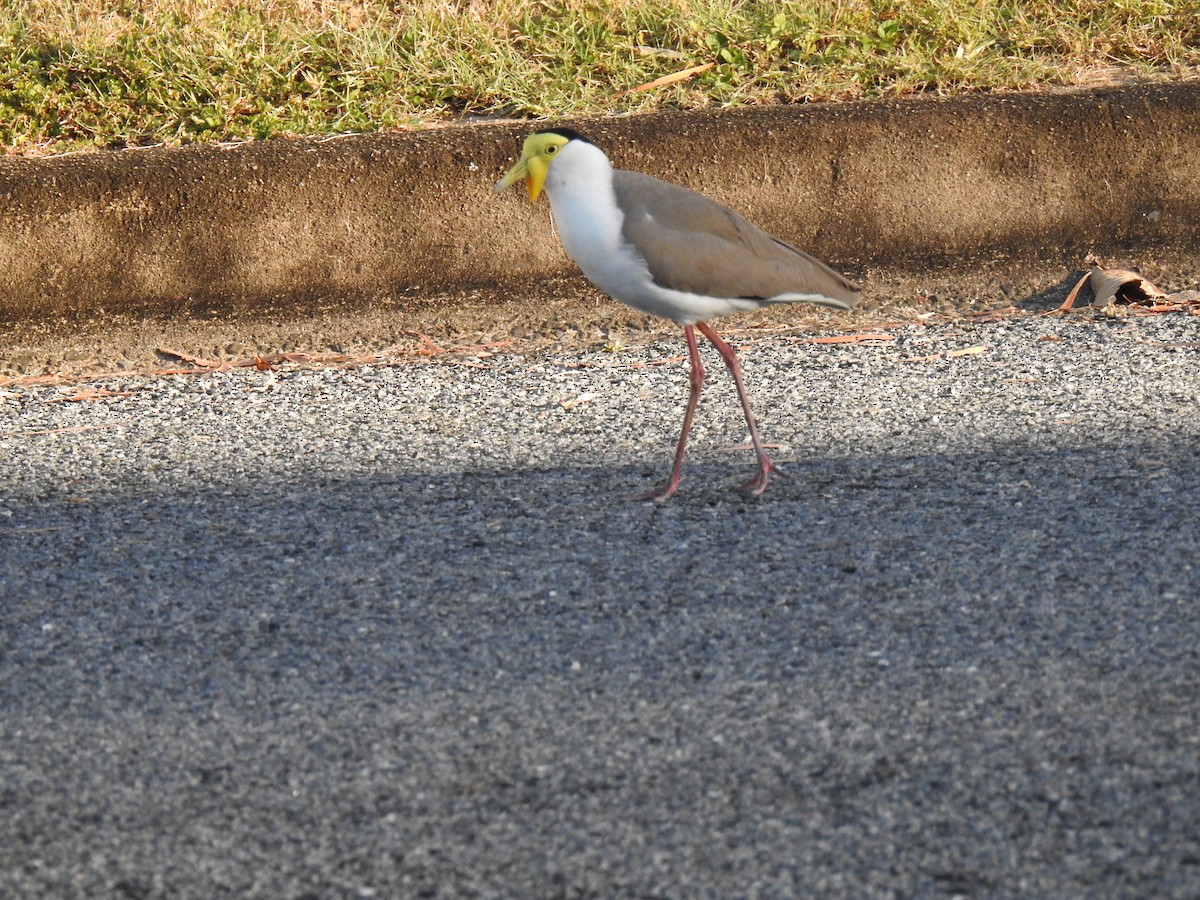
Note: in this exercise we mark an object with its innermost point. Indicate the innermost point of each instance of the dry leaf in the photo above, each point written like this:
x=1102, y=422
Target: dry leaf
x=1070, y=301
x=170, y=353
x=85, y=394
x=669, y=79
x=1109, y=285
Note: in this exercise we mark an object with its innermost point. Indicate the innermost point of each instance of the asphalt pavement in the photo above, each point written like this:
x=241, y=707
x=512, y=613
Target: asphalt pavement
x=391, y=631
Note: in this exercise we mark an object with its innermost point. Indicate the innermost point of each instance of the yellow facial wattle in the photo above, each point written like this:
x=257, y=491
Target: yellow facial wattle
x=537, y=153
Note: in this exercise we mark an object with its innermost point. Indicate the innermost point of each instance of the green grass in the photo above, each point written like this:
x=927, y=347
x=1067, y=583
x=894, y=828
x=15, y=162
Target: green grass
x=94, y=73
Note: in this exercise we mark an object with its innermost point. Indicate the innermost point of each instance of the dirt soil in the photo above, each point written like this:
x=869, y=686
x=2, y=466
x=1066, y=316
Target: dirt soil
x=394, y=246
x=555, y=315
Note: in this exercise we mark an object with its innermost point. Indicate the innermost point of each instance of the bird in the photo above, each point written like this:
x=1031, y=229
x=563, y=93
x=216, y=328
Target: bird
x=666, y=250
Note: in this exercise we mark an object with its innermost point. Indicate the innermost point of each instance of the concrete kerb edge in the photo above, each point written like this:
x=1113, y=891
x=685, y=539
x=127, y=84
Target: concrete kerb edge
x=298, y=223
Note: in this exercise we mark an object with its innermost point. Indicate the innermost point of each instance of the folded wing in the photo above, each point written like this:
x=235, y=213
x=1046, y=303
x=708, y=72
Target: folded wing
x=693, y=244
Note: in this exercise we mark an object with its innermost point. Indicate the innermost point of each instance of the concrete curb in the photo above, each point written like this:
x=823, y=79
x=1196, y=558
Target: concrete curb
x=357, y=218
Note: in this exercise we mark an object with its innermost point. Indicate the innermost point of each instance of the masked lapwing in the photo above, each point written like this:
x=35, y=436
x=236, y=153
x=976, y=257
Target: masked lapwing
x=668, y=251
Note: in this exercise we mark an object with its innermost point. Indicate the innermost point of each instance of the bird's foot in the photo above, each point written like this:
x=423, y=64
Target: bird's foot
x=662, y=495
x=756, y=485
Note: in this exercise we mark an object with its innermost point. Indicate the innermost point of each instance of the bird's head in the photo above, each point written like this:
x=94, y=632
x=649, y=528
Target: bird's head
x=537, y=154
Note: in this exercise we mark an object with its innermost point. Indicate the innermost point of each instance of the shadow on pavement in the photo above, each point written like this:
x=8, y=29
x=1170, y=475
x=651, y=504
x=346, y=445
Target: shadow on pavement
x=922, y=675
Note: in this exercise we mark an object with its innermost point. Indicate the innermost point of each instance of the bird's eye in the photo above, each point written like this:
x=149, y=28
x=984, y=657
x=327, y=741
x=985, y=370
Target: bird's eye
x=551, y=150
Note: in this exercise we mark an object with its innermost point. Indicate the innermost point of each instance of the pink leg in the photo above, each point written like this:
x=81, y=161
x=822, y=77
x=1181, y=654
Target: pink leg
x=697, y=382
x=758, y=483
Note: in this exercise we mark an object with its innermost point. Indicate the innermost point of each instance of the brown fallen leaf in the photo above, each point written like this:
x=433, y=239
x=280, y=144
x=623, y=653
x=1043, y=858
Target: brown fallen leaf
x=1008, y=310
x=48, y=378
x=668, y=79
x=1070, y=301
x=430, y=347
x=1109, y=285
x=1112, y=285
x=188, y=358
x=85, y=394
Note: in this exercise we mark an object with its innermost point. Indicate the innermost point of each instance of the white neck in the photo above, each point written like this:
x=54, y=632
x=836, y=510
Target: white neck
x=579, y=165
x=579, y=184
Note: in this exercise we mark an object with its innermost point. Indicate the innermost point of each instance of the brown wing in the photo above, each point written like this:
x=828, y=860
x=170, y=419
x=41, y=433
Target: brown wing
x=694, y=244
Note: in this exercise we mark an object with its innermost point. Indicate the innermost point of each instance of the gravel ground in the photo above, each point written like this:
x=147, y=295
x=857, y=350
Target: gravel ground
x=390, y=631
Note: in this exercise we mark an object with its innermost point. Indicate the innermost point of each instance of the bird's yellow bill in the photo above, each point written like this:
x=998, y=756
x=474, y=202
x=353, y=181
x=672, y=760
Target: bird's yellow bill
x=531, y=170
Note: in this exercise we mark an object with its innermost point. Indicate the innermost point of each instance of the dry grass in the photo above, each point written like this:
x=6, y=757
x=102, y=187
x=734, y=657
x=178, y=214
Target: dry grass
x=81, y=73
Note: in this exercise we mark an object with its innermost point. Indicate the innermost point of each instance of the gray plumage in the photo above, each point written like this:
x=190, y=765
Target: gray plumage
x=694, y=244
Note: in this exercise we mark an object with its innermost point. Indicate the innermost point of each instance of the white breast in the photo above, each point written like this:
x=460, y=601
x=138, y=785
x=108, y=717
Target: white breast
x=579, y=185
